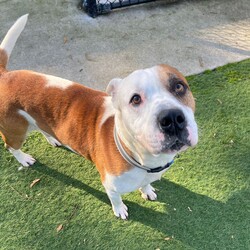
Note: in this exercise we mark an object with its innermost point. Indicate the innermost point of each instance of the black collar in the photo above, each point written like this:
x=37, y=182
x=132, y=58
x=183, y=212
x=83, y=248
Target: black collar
x=135, y=163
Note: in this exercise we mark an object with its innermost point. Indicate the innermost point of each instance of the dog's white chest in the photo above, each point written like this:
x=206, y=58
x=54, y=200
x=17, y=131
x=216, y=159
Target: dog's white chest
x=130, y=181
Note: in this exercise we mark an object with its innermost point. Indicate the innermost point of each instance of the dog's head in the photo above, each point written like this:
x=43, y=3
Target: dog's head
x=155, y=110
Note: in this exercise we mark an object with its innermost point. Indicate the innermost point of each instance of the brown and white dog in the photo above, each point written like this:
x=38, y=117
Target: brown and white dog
x=151, y=112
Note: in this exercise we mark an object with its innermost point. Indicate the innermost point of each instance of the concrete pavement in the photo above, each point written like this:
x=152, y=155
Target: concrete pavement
x=191, y=35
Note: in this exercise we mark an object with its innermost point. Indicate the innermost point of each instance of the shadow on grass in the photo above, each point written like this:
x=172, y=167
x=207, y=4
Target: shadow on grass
x=189, y=217
x=67, y=180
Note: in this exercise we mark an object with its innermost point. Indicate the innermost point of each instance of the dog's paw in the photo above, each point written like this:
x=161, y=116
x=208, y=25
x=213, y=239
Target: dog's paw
x=25, y=159
x=148, y=193
x=121, y=211
x=54, y=142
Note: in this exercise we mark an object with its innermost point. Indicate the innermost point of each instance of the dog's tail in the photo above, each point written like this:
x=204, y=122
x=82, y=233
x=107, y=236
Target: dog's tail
x=10, y=39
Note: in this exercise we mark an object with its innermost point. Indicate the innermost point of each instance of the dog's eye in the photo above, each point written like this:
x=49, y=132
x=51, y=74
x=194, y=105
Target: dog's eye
x=180, y=88
x=136, y=100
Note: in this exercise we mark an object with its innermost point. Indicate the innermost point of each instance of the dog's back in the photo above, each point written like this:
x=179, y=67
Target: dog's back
x=52, y=105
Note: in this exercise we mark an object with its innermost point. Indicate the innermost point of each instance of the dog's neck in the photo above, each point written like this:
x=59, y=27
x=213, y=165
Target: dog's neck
x=135, y=163
x=137, y=151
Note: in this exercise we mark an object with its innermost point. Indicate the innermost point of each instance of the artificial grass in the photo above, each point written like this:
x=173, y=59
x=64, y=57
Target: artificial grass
x=203, y=200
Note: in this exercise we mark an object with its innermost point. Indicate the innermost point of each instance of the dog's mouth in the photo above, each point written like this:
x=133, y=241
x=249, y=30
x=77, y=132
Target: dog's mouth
x=176, y=146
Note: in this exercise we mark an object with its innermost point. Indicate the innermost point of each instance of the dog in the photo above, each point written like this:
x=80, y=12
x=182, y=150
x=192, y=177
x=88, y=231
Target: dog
x=131, y=133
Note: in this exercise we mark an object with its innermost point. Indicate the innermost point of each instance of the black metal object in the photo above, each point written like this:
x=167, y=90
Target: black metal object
x=97, y=7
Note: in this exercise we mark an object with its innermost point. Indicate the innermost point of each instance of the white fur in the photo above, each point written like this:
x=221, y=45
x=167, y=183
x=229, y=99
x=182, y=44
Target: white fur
x=14, y=32
x=191, y=125
x=51, y=140
x=108, y=110
x=54, y=81
x=132, y=180
x=148, y=193
x=119, y=208
x=138, y=128
x=25, y=159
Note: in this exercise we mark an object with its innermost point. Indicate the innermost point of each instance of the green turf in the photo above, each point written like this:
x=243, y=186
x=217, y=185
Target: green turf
x=203, y=201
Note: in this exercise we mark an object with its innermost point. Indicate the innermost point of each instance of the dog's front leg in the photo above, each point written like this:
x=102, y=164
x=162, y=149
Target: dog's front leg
x=148, y=192
x=119, y=208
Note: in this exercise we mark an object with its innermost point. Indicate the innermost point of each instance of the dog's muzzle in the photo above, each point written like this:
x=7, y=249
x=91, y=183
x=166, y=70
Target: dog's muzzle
x=173, y=124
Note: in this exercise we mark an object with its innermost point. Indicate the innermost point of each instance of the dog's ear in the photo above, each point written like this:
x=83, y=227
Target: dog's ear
x=113, y=86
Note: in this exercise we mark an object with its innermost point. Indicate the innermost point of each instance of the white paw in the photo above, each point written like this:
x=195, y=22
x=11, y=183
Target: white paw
x=54, y=142
x=25, y=159
x=148, y=193
x=51, y=140
x=121, y=211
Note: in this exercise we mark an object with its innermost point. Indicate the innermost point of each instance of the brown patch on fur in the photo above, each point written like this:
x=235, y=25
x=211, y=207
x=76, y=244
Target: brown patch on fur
x=109, y=154
x=167, y=72
x=3, y=60
x=72, y=115
x=13, y=129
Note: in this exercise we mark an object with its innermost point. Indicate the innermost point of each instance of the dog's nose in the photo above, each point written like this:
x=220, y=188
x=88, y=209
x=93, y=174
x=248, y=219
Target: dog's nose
x=171, y=121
